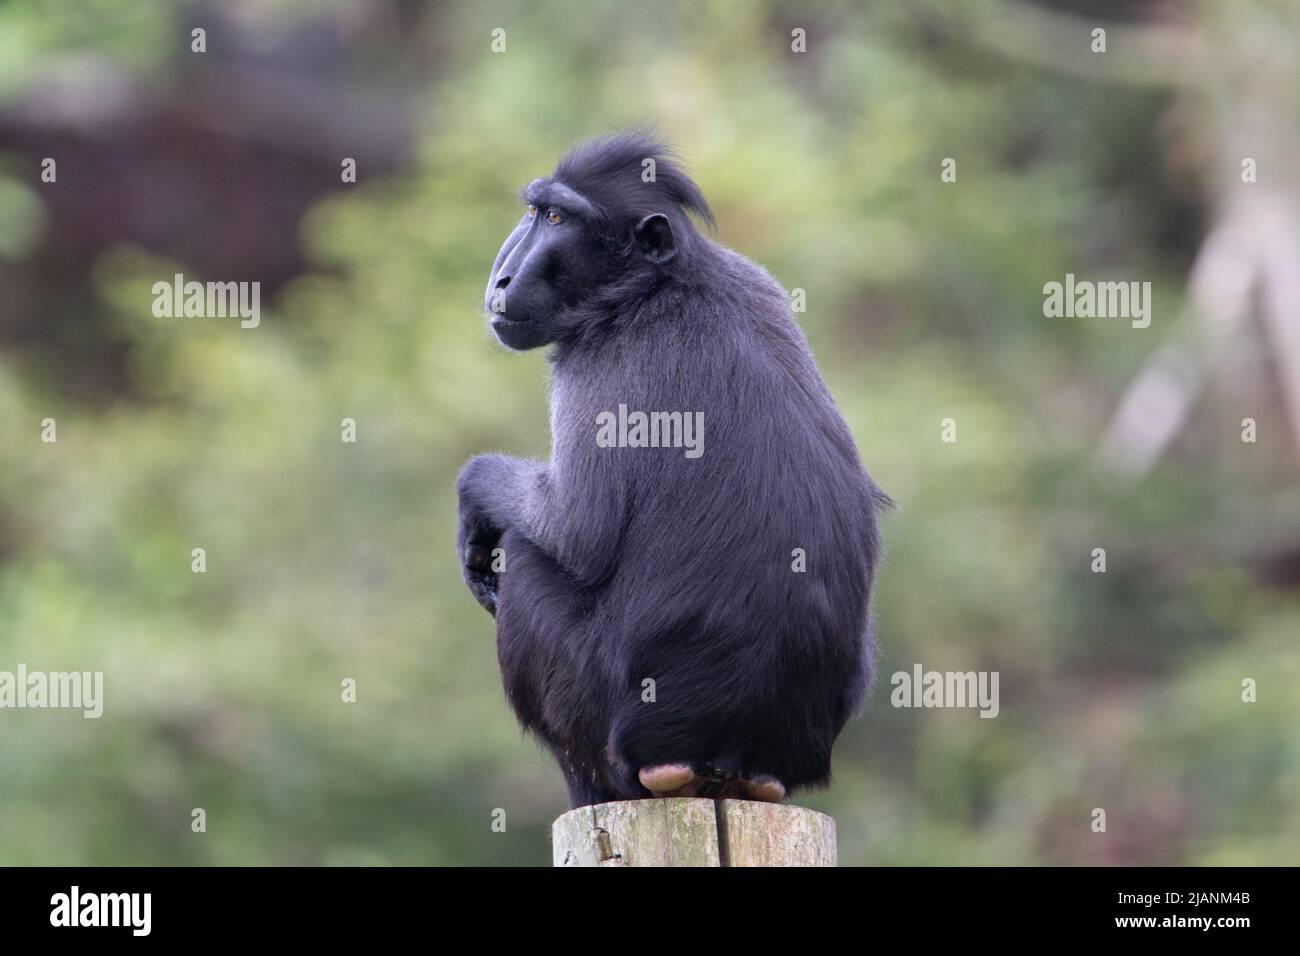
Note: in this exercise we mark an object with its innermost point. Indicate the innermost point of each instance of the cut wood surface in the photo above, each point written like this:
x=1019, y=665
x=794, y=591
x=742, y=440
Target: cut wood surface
x=686, y=831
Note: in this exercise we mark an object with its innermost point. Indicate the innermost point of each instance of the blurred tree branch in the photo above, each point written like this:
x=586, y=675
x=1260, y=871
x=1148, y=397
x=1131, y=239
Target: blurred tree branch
x=1235, y=72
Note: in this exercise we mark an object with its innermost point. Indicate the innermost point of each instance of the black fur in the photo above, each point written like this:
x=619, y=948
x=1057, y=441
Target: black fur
x=623, y=564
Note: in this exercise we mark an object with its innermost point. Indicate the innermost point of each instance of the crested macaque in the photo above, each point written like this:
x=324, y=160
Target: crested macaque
x=668, y=623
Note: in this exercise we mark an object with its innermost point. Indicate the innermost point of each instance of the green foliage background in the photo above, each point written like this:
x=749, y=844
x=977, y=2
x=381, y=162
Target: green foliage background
x=328, y=560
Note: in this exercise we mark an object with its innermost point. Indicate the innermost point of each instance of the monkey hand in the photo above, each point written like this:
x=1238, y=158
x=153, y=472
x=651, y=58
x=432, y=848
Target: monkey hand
x=480, y=578
x=475, y=544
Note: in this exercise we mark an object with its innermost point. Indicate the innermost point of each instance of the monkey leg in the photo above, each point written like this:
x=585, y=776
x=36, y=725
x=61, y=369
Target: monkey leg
x=552, y=670
x=585, y=789
x=707, y=734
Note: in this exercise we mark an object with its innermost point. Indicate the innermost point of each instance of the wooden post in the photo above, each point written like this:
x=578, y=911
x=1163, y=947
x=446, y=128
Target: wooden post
x=685, y=831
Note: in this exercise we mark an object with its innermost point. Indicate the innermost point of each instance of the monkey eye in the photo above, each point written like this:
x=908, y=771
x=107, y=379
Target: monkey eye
x=554, y=218
x=532, y=212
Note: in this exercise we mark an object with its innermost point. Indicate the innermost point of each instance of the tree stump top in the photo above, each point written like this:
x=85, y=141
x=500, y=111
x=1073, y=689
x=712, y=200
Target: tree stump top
x=686, y=831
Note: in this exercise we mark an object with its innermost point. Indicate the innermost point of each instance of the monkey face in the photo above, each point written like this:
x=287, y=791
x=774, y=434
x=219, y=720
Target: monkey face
x=549, y=264
x=564, y=251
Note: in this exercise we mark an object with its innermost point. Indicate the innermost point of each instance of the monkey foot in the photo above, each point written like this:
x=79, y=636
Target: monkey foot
x=667, y=779
x=679, y=780
x=764, y=787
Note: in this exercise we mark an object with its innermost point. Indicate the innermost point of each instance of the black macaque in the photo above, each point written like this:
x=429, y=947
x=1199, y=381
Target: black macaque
x=682, y=603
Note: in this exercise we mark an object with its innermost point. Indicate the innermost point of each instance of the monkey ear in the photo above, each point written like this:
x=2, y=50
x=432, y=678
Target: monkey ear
x=654, y=237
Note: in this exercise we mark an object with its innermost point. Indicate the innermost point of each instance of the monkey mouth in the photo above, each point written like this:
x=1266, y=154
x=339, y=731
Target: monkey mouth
x=506, y=329
x=518, y=335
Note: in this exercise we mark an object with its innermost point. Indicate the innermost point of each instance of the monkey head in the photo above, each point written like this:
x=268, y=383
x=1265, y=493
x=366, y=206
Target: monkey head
x=604, y=221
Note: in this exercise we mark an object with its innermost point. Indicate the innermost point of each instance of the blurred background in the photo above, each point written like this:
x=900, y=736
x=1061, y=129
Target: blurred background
x=328, y=560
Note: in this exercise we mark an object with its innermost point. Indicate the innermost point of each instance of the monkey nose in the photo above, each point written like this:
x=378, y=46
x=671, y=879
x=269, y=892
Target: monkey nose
x=495, y=301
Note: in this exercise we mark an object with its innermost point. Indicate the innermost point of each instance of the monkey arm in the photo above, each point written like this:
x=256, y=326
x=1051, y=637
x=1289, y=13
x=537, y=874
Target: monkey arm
x=498, y=493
